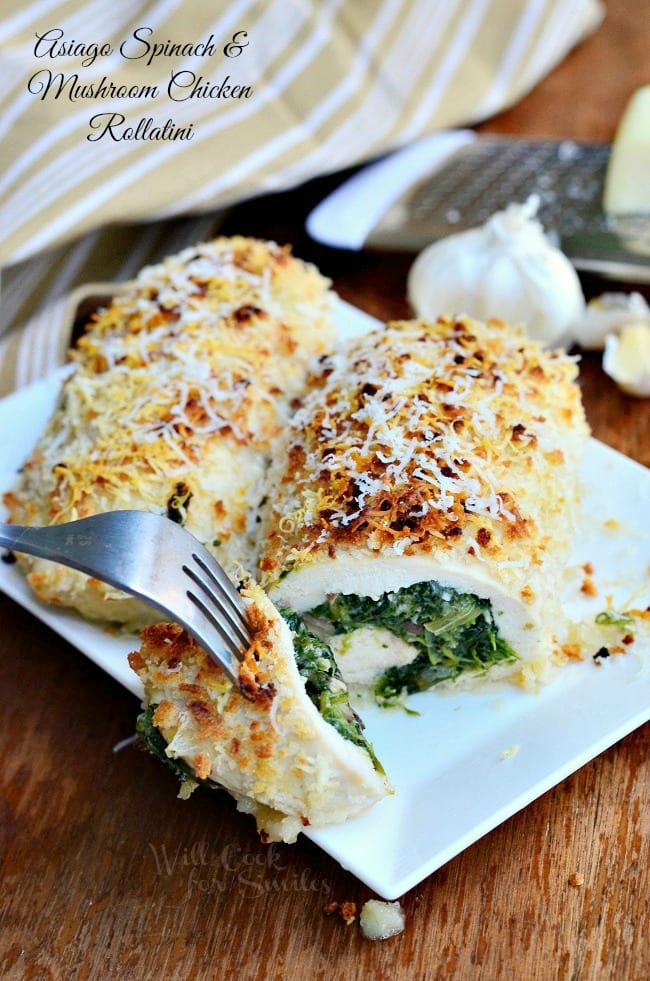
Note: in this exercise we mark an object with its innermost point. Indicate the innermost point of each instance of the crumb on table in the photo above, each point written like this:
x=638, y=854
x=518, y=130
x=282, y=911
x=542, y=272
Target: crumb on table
x=346, y=910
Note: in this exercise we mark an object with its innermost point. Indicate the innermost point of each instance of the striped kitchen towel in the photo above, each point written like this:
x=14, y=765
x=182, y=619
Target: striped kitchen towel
x=123, y=112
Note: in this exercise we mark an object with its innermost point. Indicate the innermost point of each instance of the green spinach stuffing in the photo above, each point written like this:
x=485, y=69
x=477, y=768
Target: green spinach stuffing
x=154, y=741
x=324, y=684
x=453, y=632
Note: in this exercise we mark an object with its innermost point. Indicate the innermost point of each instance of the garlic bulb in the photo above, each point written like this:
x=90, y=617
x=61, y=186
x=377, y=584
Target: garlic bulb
x=506, y=269
x=627, y=359
x=609, y=314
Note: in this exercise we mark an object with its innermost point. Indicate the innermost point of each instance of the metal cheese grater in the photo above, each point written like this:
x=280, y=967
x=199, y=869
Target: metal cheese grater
x=491, y=172
x=456, y=180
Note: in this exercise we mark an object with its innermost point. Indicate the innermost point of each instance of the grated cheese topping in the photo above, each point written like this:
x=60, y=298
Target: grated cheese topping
x=452, y=436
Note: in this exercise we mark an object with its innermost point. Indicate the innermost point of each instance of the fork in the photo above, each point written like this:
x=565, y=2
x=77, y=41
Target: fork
x=150, y=557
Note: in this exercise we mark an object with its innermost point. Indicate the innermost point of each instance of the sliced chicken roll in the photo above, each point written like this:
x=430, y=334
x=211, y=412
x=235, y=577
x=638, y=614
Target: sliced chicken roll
x=285, y=743
x=426, y=504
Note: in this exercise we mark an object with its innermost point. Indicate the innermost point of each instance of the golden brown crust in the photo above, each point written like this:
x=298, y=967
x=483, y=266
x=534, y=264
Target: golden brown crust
x=430, y=437
x=168, y=655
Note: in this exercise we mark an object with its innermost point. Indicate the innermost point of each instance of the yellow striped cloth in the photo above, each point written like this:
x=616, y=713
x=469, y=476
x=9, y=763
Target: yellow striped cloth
x=270, y=92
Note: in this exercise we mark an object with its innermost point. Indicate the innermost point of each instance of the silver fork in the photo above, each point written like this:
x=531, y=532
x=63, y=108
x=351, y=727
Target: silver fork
x=150, y=557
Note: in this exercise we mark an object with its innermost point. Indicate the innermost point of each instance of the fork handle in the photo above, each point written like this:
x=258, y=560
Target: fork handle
x=68, y=544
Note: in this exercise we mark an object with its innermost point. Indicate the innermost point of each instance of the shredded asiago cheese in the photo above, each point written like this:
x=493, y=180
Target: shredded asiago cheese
x=454, y=437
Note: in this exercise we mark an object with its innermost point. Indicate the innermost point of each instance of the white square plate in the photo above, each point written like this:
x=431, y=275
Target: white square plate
x=454, y=780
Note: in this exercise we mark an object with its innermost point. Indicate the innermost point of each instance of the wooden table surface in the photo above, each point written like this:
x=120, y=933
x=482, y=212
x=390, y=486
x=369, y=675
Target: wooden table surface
x=105, y=874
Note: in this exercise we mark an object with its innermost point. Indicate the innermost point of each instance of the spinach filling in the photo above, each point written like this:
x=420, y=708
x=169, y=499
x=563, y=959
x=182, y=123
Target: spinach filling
x=324, y=684
x=453, y=632
x=154, y=741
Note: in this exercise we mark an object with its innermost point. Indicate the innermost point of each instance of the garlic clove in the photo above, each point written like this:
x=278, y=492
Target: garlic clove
x=608, y=314
x=627, y=359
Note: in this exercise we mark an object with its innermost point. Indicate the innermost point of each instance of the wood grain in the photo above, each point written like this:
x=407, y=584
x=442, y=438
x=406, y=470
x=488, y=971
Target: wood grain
x=106, y=875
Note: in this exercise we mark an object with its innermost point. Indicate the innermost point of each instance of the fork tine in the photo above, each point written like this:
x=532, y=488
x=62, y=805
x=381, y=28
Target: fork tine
x=217, y=601
x=216, y=623
x=221, y=580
